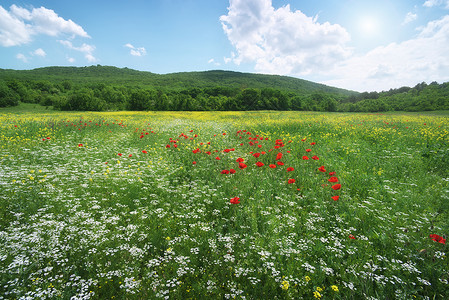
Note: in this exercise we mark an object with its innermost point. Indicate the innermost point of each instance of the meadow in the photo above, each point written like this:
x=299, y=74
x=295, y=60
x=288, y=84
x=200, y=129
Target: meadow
x=223, y=205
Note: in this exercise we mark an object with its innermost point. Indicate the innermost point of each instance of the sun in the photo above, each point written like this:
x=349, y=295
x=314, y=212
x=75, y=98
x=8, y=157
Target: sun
x=369, y=25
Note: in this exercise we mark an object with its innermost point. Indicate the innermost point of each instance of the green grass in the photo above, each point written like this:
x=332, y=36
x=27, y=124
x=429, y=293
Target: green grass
x=80, y=220
x=26, y=108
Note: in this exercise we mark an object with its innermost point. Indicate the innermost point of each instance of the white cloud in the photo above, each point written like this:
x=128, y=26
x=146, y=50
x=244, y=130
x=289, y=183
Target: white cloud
x=70, y=60
x=19, y=25
x=212, y=61
x=229, y=59
x=140, y=51
x=282, y=41
x=22, y=57
x=286, y=42
x=39, y=52
x=410, y=17
x=423, y=58
x=86, y=49
x=432, y=3
x=13, y=31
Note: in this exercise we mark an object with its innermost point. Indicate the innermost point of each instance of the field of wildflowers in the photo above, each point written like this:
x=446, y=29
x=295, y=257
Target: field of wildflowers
x=245, y=205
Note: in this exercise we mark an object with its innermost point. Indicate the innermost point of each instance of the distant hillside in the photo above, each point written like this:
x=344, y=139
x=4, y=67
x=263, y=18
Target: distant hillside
x=173, y=81
x=111, y=88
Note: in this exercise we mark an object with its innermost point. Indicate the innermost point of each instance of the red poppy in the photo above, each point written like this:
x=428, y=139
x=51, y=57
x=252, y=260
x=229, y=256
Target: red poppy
x=217, y=158
x=240, y=160
x=196, y=150
x=259, y=164
x=119, y=154
x=332, y=173
x=335, y=198
x=256, y=155
x=313, y=143
x=168, y=146
x=437, y=238
x=242, y=166
x=194, y=162
x=315, y=157
x=352, y=237
x=227, y=150
x=305, y=157
x=130, y=155
x=235, y=200
x=336, y=187
x=308, y=150
x=333, y=179
x=225, y=172
x=232, y=171
x=144, y=151
x=272, y=166
x=279, y=156
x=280, y=163
x=289, y=169
x=290, y=181
x=80, y=145
x=322, y=169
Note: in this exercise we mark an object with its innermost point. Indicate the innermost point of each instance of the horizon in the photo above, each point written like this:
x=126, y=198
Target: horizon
x=370, y=46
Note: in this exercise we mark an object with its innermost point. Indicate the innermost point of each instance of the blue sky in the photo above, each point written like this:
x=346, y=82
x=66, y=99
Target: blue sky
x=353, y=44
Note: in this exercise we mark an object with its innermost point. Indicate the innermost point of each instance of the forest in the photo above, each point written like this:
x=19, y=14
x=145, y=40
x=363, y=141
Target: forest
x=104, y=88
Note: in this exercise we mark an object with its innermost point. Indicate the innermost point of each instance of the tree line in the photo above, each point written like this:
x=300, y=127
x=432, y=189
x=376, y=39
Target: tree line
x=99, y=96
x=421, y=97
x=68, y=96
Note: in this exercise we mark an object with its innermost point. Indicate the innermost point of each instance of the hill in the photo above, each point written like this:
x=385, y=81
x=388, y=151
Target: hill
x=111, y=88
x=173, y=81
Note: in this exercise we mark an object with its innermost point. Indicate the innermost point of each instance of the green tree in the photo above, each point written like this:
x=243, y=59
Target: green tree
x=249, y=99
x=139, y=100
x=7, y=96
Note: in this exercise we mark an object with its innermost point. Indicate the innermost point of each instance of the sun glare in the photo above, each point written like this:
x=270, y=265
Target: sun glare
x=368, y=25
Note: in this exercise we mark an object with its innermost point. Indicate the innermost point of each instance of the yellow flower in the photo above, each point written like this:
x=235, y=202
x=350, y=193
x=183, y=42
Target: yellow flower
x=334, y=288
x=307, y=278
x=319, y=289
x=317, y=295
x=285, y=285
